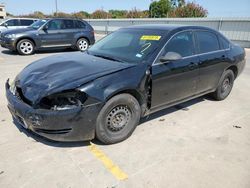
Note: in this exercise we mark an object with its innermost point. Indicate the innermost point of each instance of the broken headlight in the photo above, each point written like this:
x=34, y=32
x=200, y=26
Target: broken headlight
x=12, y=87
x=64, y=101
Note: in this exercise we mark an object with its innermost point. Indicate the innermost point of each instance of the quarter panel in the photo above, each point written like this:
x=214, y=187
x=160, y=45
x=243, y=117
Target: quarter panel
x=211, y=67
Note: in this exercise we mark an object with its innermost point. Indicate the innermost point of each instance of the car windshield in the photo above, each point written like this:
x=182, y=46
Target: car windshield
x=38, y=24
x=127, y=45
x=2, y=22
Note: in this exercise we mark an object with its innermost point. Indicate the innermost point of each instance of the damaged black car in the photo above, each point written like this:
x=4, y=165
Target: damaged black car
x=129, y=74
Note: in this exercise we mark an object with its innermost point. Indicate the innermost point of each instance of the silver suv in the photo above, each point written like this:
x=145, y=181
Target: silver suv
x=16, y=23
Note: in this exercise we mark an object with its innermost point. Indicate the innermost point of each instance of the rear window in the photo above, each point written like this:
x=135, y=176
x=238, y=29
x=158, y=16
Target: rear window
x=80, y=24
x=208, y=41
x=224, y=43
x=26, y=22
x=69, y=24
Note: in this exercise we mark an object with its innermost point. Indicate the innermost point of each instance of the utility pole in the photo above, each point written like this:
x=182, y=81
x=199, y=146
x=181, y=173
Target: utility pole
x=56, y=8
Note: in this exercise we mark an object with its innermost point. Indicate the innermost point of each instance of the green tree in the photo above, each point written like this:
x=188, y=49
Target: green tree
x=81, y=15
x=38, y=14
x=135, y=13
x=61, y=15
x=118, y=13
x=160, y=9
x=177, y=3
x=189, y=10
x=9, y=14
x=100, y=14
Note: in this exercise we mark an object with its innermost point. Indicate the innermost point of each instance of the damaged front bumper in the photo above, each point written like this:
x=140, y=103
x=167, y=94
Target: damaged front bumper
x=7, y=43
x=76, y=124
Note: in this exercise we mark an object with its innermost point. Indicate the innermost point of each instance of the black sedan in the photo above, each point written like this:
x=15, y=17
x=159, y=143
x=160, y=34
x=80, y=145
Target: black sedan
x=131, y=73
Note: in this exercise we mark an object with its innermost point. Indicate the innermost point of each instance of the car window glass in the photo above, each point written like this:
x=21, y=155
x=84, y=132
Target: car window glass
x=182, y=44
x=224, y=43
x=26, y=22
x=207, y=41
x=80, y=24
x=69, y=24
x=120, y=41
x=12, y=22
x=56, y=25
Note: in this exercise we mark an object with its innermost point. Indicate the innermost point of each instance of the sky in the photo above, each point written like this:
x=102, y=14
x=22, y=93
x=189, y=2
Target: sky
x=216, y=8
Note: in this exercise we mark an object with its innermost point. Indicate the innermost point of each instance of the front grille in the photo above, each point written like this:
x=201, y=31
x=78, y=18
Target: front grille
x=60, y=131
x=19, y=94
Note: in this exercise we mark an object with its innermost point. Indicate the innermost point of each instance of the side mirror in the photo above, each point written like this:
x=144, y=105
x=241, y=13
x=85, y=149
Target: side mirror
x=5, y=25
x=170, y=56
x=46, y=27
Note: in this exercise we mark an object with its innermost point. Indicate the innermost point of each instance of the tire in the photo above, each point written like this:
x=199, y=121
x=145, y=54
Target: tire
x=118, y=119
x=25, y=47
x=225, y=86
x=82, y=44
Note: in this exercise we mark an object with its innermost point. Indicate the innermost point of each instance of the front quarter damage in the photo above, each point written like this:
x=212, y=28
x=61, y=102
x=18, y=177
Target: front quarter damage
x=70, y=115
x=59, y=117
x=135, y=80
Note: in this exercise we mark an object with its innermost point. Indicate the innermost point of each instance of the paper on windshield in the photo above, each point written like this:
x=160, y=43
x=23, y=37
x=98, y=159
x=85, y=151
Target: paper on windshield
x=150, y=37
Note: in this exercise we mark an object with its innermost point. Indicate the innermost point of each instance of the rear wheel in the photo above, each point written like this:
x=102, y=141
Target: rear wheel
x=82, y=44
x=118, y=119
x=225, y=86
x=25, y=47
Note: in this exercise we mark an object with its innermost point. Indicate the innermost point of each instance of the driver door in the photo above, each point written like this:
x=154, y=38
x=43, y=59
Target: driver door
x=176, y=80
x=53, y=34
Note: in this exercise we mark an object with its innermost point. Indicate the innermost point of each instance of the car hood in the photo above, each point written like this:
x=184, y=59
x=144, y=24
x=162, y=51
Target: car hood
x=63, y=72
x=17, y=31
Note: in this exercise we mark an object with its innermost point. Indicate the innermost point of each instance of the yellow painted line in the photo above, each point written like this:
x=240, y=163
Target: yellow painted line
x=114, y=169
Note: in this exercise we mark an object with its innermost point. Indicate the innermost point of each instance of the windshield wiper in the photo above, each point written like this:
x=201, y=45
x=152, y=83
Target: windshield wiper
x=109, y=58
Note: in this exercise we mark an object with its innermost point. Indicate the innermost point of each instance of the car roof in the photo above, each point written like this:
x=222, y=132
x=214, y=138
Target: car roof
x=23, y=18
x=167, y=27
x=62, y=19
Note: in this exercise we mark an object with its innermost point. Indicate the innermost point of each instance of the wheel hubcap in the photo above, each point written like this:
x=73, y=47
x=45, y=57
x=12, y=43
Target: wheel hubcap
x=118, y=118
x=26, y=47
x=83, y=45
x=226, y=86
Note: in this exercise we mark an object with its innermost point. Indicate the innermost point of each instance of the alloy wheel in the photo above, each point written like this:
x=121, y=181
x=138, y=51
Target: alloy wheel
x=26, y=47
x=83, y=44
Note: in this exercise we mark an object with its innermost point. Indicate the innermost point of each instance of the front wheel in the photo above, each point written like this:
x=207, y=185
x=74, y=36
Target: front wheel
x=82, y=44
x=225, y=86
x=118, y=119
x=25, y=47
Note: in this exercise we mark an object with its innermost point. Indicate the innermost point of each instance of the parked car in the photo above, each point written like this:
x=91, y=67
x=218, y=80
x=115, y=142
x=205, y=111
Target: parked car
x=49, y=33
x=16, y=23
x=129, y=74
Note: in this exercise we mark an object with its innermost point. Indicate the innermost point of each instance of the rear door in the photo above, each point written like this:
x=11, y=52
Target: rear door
x=211, y=60
x=177, y=80
x=70, y=31
x=53, y=34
